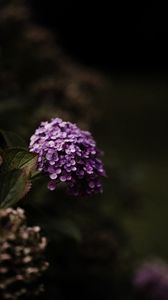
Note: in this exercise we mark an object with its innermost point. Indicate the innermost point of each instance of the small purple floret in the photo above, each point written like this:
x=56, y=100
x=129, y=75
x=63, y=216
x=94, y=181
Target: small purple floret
x=151, y=279
x=68, y=154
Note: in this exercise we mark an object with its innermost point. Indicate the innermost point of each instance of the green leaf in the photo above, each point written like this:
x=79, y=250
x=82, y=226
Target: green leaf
x=13, y=187
x=10, y=139
x=19, y=159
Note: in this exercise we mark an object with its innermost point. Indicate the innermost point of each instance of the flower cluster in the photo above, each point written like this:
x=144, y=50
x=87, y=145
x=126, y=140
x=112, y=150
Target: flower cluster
x=68, y=154
x=151, y=279
x=21, y=256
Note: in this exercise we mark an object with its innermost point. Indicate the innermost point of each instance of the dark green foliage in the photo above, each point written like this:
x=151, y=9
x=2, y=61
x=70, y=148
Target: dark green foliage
x=16, y=168
x=16, y=158
x=10, y=139
x=13, y=186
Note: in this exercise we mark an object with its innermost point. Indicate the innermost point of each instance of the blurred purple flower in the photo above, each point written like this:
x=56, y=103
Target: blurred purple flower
x=151, y=279
x=68, y=154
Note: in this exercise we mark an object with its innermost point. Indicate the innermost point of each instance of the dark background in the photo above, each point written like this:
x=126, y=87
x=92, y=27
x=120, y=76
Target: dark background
x=108, y=35
x=127, y=45
x=128, y=42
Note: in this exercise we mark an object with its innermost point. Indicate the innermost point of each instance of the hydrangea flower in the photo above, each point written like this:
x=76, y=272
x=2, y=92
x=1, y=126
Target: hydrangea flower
x=151, y=279
x=68, y=154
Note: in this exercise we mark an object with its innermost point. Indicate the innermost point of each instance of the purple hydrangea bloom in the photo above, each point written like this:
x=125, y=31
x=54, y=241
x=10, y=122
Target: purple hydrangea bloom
x=152, y=280
x=68, y=154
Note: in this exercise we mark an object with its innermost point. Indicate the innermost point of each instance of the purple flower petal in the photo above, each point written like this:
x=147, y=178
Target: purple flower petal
x=51, y=185
x=68, y=154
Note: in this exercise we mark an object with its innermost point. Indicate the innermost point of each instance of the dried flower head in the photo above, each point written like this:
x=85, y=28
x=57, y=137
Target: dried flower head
x=68, y=154
x=151, y=279
x=21, y=256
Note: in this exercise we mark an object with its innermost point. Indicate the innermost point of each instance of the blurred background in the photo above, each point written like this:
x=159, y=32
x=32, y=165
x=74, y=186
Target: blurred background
x=104, y=67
